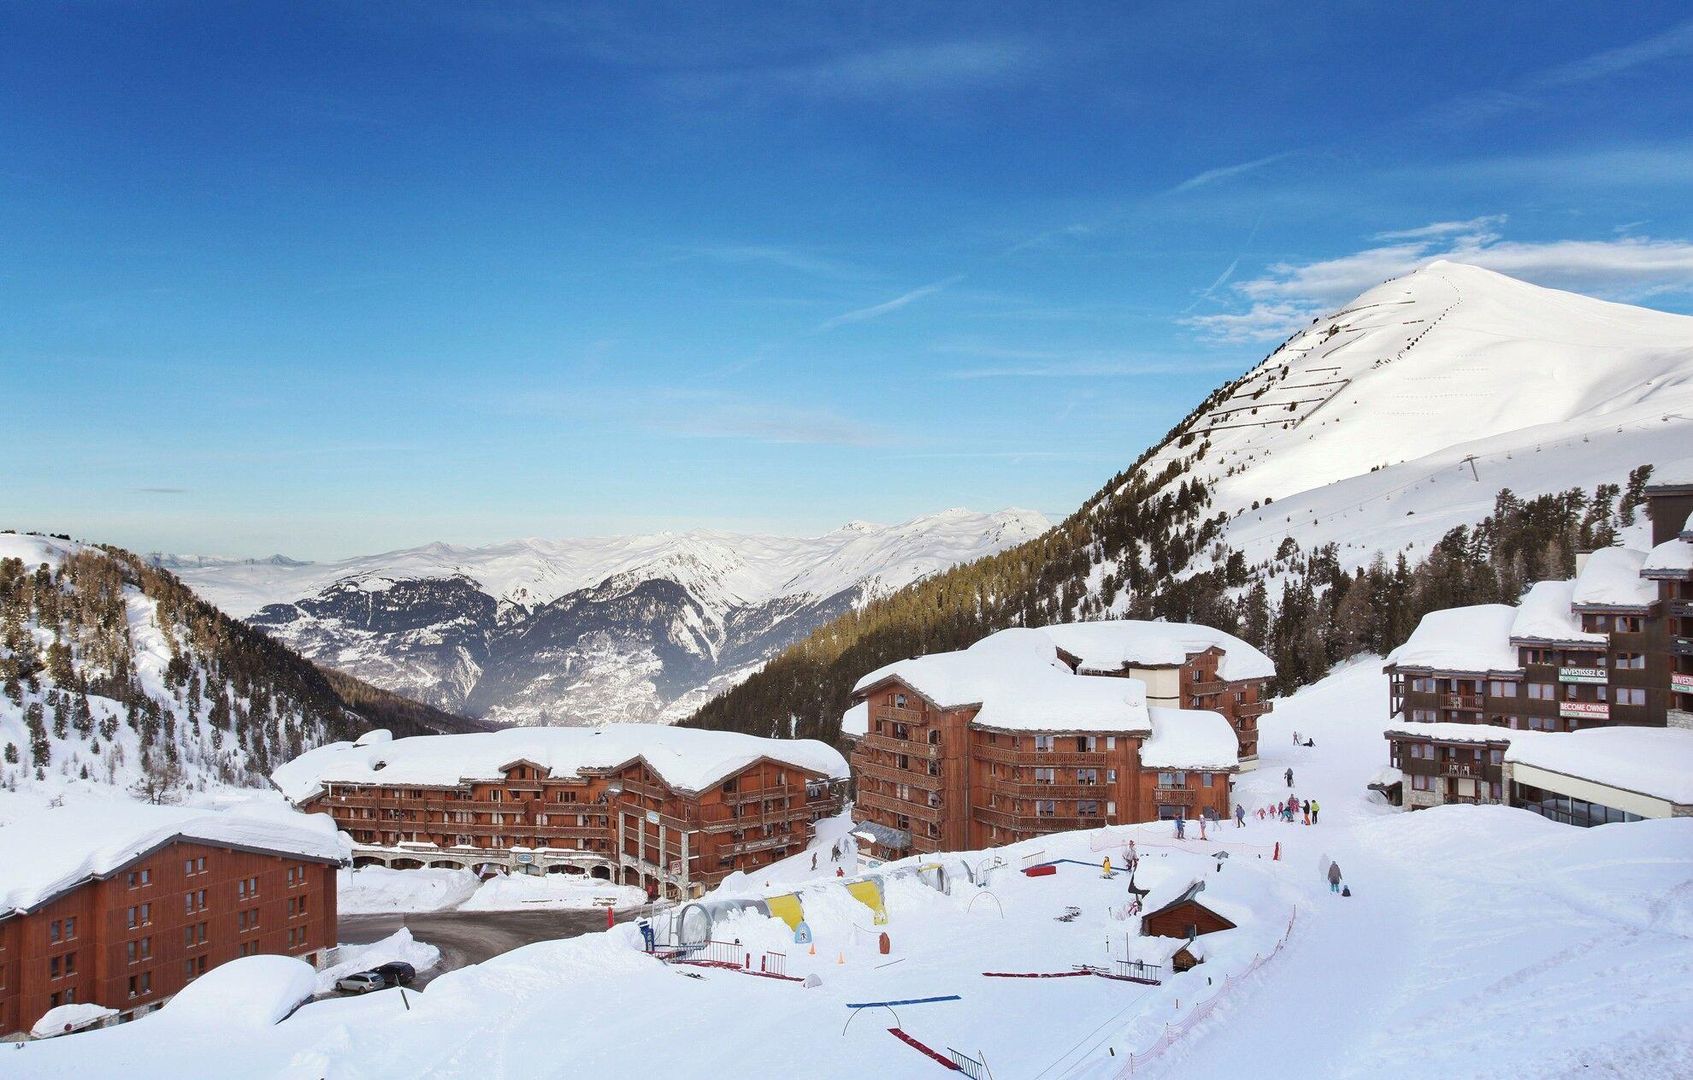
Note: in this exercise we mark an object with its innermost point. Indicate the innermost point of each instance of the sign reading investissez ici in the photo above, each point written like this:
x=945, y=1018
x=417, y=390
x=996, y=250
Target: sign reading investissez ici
x=1583, y=675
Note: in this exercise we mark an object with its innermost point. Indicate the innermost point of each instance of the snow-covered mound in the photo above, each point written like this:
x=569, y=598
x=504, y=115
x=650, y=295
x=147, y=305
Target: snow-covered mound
x=1360, y=427
x=593, y=629
x=399, y=946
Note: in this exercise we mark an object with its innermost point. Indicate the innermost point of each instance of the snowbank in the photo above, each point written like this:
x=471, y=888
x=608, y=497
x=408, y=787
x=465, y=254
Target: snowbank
x=520, y=892
x=376, y=889
x=1650, y=761
x=67, y=1018
x=252, y=991
x=1544, y=614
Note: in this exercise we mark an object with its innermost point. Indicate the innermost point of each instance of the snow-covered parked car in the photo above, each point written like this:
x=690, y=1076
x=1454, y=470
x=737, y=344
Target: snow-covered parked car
x=361, y=982
x=396, y=973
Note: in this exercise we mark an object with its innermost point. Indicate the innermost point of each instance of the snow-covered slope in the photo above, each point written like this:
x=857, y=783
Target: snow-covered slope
x=1359, y=428
x=1463, y=923
x=587, y=630
x=115, y=674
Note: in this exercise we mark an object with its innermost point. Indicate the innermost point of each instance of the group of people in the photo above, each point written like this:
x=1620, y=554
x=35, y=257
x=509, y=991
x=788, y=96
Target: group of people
x=1289, y=809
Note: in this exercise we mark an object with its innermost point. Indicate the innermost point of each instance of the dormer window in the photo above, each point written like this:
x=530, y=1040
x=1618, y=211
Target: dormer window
x=899, y=701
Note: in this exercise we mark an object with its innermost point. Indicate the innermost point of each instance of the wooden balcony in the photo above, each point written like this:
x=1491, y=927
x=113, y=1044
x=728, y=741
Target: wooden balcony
x=1207, y=688
x=889, y=745
x=1042, y=759
x=1033, y=822
x=645, y=790
x=1462, y=701
x=1171, y=796
x=1253, y=708
x=871, y=800
x=893, y=714
x=891, y=775
x=1054, y=791
x=1463, y=768
x=719, y=819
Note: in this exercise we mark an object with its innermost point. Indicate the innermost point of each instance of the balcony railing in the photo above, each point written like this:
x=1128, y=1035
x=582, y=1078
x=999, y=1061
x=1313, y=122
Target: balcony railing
x=1029, y=821
x=1070, y=790
x=871, y=800
x=1032, y=758
x=1174, y=795
x=1209, y=687
x=1253, y=708
x=1463, y=701
x=894, y=714
x=916, y=778
x=890, y=745
x=1461, y=768
x=762, y=843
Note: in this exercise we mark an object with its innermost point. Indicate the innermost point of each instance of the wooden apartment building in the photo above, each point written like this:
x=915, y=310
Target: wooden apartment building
x=1609, y=648
x=669, y=810
x=1004, y=741
x=155, y=908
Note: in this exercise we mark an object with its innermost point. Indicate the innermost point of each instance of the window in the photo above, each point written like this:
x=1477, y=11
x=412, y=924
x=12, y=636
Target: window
x=1110, y=776
x=1206, y=778
x=140, y=878
x=1172, y=779
x=246, y=887
x=1046, y=776
x=1110, y=742
x=54, y=930
x=1496, y=756
x=140, y=915
x=1631, y=695
x=1087, y=776
x=1088, y=808
x=1046, y=808
x=1420, y=782
x=1540, y=691
x=1631, y=661
x=1502, y=688
x=141, y=985
x=1043, y=743
x=141, y=949
x=194, y=967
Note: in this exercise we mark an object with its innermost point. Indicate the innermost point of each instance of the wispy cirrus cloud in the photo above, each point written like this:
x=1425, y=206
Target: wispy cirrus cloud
x=1483, y=106
x=899, y=71
x=1288, y=295
x=1228, y=172
x=876, y=311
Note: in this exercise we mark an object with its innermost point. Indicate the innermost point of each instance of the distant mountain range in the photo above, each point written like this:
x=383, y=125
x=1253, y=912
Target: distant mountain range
x=641, y=628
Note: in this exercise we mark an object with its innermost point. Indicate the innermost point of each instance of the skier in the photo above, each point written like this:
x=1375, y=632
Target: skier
x=835, y=852
x=1134, y=859
x=1181, y=828
x=814, y=861
x=1202, y=826
x=1239, y=815
x=1334, y=877
x=1288, y=776
x=1314, y=809
x=1296, y=738
x=1305, y=811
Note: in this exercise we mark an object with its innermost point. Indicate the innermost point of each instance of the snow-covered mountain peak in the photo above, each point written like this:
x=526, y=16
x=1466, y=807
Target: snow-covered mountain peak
x=623, y=627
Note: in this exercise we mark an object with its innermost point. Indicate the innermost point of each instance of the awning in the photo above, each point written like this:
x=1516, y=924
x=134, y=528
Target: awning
x=872, y=833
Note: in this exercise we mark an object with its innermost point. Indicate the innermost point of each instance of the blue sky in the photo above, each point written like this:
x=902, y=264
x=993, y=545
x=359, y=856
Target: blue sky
x=332, y=279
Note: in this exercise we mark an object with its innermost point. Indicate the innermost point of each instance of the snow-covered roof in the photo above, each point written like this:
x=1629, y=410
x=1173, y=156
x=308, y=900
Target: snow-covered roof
x=1650, y=761
x=687, y=758
x=1021, y=685
x=1190, y=739
x=1544, y=615
x=48, y=850
x=856, y=720
x=1470, y=639
x=1446, y=731
x=1671, y=556
x=1611, y=578
x=1111, y=645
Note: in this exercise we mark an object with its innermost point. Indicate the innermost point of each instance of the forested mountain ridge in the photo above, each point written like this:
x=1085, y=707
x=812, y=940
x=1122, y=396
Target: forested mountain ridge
x=1527, y=410
x=112, y=671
